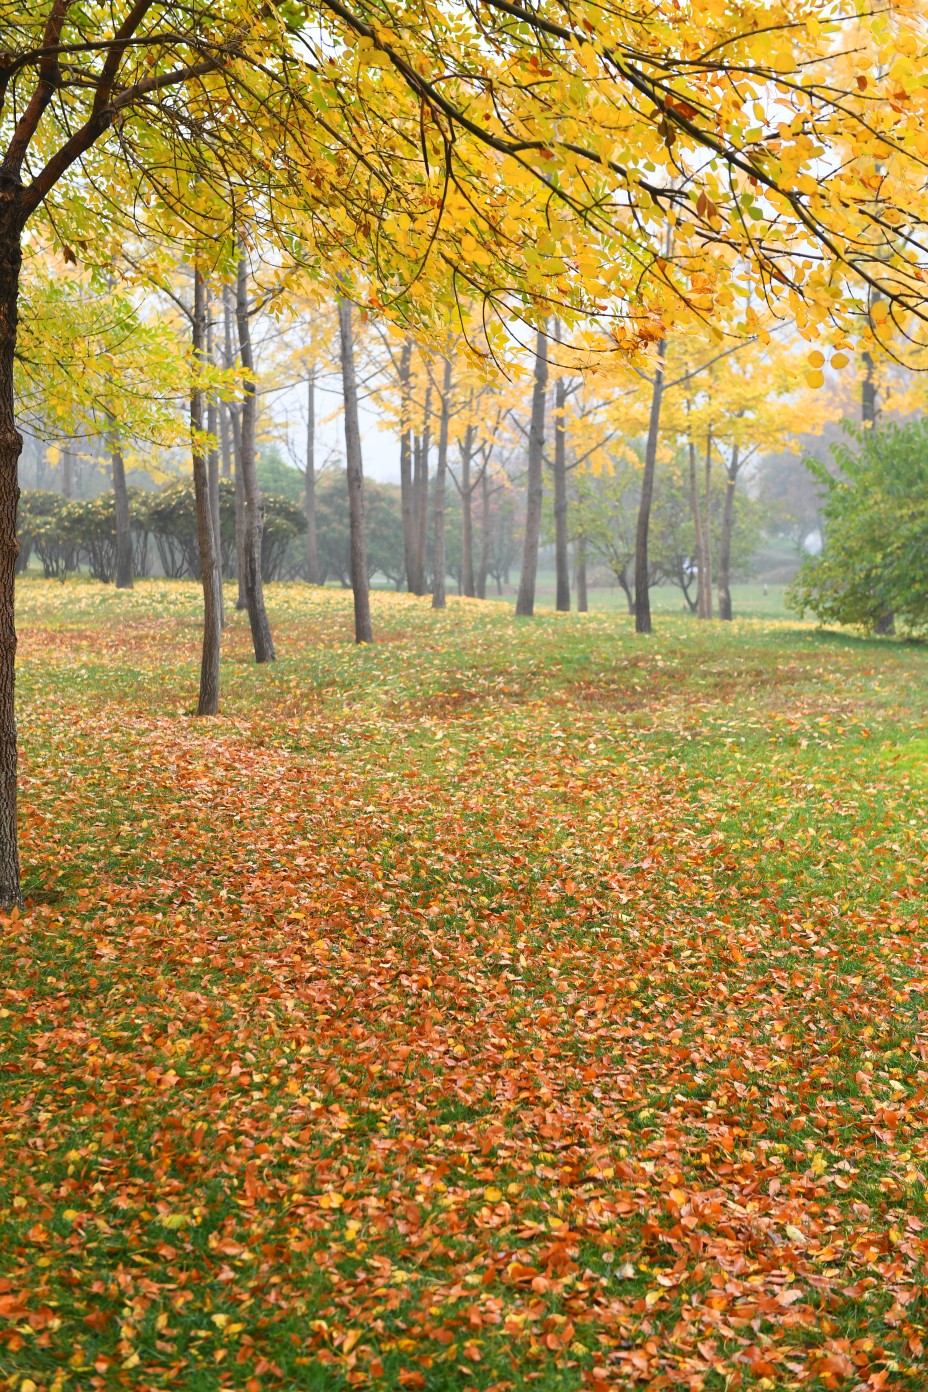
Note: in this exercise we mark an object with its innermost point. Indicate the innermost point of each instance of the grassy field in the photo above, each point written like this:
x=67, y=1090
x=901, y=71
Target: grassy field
x=508, y=1004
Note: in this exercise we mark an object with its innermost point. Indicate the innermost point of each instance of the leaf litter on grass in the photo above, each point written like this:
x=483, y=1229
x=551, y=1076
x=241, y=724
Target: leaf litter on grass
x=535, y=1042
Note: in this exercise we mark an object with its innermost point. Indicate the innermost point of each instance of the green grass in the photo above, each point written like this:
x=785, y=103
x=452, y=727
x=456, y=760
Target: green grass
x=508, y=1004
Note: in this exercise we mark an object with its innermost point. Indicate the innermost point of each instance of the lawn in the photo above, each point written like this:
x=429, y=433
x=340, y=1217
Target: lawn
x=509, y=1004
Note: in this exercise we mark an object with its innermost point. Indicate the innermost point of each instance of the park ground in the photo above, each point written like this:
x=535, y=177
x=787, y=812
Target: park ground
x=506, y=1005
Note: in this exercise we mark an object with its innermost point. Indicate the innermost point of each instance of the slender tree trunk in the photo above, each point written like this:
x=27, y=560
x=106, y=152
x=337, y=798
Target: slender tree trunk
x=241, y=602
x=707, y=530
x=212, y=429
x=728, y=521
x=208, y=703
x=360, y=583
x=467, y=516
x=407, y=489
x=484, y=564
x=642, y=586
x=309, y=495
x=561, y=553
x=696, y=515
x=868, y=403
x=235, y=421
x=123, y=519
x=254, y=503
x=67, y=473
x=417, y=583
x=580, y=573
x=225, y=440
x=525, y=602
x=421, y=489
x=11, y=444
x=441, y=470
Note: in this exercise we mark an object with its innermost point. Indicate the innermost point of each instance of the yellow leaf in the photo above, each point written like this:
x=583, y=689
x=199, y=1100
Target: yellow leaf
x=492, y=1194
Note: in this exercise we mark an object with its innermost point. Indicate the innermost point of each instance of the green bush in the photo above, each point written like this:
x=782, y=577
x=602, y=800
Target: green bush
x=36, y=530
x=873, y=566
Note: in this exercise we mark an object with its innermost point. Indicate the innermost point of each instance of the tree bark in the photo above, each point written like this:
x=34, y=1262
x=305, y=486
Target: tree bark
x=642, y=587
x=525, y=602
x=696, y=516
x=212, y=429
x=360, y=584
x=11, y=444
x=868, y=404
x=224, y=433
x=235, y=421
x=123, y=519
x=421, y=490
x=407, y=490
x=561, y=555
x=484, y=564
x=580, y=573
x=208, y=703
x=728, y=521
x=467, y=516
x=707, y=531
x=254, y=503
x=309, y=493
x=441, y=471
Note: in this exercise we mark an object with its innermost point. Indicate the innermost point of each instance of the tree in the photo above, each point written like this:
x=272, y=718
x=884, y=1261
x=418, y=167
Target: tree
x=207, y=528
x=525, y=600
x=360, y=584
x=875, y=532
x=441, y=470
x=254, y=503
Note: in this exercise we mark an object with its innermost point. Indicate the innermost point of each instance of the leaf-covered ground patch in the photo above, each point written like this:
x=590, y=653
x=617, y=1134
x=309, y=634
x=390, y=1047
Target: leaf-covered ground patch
x=505, y=1005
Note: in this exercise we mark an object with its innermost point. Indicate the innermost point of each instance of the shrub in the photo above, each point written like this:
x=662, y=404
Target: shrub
x=872, y=569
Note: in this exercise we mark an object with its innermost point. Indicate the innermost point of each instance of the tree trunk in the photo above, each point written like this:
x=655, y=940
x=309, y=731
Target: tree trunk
x=309, y=494
x=212, y=429
x=123, y=519
x=696, y=516
x=441, y=470
x=254, y=503
x=580, y=573
x=484, y=565
x=642, y=587
x=235, y=421
x=525, y=602
x=363, y=632
x=728, y=521
x=421, y=490
x=707, y=531
x=561, y=555
x=407, y=490
x=67, y=473
x=868, y=407
x=208, y=703
x=11, y=443
x=224, y=436
x=467, y=516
